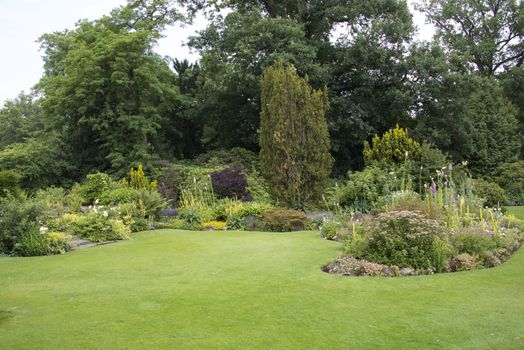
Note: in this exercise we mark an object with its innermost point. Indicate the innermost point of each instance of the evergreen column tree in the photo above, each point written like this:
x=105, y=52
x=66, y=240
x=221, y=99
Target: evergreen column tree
x=294, y=137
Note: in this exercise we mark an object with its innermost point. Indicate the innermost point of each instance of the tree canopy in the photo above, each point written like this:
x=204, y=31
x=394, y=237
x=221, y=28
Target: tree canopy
x=107, y=101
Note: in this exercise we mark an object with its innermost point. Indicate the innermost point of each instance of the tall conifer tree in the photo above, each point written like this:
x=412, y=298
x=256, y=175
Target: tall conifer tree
x=294, y=137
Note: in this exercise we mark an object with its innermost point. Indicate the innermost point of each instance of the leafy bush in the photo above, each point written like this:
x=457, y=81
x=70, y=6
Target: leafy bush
x=429, y=160
x=214, y=225
x=9, y=183
x=95, y=185
x=118, y=195
x=401, y=238
x=473, y=242
x=52, y=201
x=191, y=216
x=442, y=252
x=391, y=147
x=491, y=193
x=258, y=188
x=508, y=242
x=511, y=178
x=75, y=198
x=58, y=242
x=39, y=161
x=96, y=226
x=411, y=201
x=236, y=155
x=167, y=185
x=364, y=189
x=283, y=220
x=230, y=183
x=31, y=243
x=330, y=229
x=150, y=202
x=192, y=177
x=19, y=218
x=463, y=262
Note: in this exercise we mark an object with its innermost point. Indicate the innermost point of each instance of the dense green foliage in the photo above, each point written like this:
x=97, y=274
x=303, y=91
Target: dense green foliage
x=107, y=101
x=511, y=178
x=401, y=238
x=294, y=137
x=394, y=146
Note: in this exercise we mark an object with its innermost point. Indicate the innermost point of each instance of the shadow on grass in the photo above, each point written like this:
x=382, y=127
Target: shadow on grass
x=5, y=315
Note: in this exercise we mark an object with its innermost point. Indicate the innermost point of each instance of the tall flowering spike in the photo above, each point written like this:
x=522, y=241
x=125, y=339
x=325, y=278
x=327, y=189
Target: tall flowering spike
x=433, y=187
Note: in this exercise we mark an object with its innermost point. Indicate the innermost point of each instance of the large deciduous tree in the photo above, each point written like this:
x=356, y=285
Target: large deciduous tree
x=107, y=91
x=487, y=35
x=234, y=53
x=294, y=137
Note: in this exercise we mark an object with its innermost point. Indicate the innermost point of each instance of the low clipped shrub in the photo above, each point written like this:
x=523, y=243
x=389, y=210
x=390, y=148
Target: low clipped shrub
x=231, y=182
x=401, y=238
x=491, y=194
x=283, y=220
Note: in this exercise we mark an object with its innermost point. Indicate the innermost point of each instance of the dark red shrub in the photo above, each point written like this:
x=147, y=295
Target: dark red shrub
x=231, y=183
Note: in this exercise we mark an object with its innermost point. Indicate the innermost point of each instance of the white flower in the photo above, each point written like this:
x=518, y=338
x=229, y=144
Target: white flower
x=105, y=214
x=43, y=230
x=194, y=180
x=96, y=201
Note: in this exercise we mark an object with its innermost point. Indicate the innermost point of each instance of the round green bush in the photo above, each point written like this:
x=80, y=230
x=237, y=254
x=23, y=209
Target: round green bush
x=401, y=238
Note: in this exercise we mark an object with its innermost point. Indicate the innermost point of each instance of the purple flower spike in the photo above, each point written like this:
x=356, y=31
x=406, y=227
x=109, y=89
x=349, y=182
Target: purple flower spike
x=453, y=200
x=450, y=167
x=433, y=187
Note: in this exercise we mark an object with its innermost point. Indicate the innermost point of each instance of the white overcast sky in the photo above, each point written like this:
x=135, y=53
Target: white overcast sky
x=23, y=21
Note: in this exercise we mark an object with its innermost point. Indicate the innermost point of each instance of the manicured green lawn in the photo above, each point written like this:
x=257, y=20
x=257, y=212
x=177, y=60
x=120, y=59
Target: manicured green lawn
x=242, y=290
x=517, y=211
